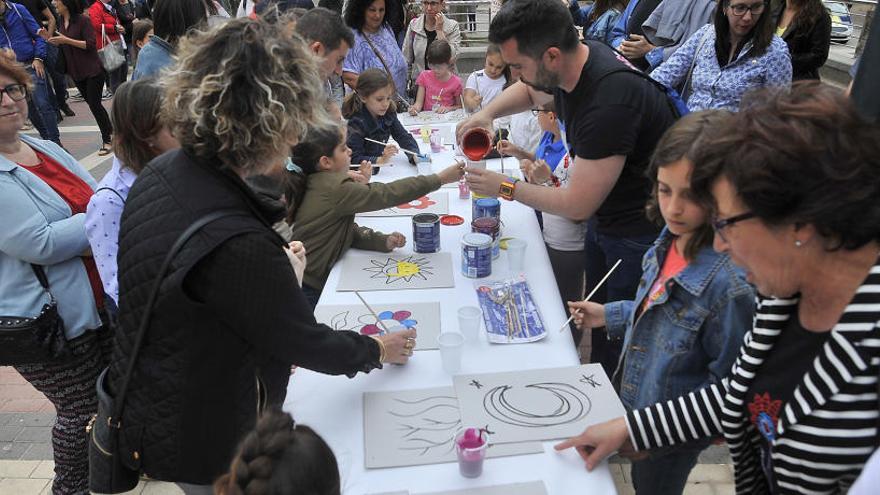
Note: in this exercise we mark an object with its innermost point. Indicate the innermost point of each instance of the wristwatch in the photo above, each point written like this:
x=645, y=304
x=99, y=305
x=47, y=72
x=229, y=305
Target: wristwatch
x=508, y=187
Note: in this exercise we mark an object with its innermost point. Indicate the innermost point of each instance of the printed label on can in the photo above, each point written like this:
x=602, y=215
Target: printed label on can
x=490, y=227
x=476, y=255
x=487, y=207
x=426, y=233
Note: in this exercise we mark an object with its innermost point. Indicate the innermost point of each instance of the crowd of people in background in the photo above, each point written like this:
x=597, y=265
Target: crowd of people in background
x=690, y=141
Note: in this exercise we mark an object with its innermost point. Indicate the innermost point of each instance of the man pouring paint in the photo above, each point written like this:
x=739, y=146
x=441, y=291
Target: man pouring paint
x=613, y=119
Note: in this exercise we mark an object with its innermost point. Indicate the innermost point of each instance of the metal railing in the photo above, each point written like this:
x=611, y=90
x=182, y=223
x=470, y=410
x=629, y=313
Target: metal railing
x=472, y=16
x=862, y=13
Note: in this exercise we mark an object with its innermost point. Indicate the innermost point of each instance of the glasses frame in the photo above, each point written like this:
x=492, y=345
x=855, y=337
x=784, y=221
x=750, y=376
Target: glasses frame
x=5, y=90
x=537, y=111
x=762, y=6
x=719, y=224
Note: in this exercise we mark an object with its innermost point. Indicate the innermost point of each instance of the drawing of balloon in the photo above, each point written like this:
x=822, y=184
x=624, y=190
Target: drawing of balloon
x=538, y=405
x=393, y=321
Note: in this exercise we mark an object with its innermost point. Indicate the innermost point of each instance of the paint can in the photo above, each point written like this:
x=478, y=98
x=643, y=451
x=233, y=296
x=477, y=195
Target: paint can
x=487, y=207
x=426, y=232
x=489, y=226
x=474, y=198
x=476, y=255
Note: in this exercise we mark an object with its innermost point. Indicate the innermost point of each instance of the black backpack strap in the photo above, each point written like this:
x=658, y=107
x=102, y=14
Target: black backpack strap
x=119, y=401
x=114, y=191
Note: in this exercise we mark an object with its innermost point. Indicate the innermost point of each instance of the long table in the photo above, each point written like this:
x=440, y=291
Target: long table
x=333, y=406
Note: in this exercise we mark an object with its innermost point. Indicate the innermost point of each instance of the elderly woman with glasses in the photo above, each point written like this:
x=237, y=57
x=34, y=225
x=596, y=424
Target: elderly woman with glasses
x=43, y=198
x=423, y=30
x=722, y=61
x=800, y=215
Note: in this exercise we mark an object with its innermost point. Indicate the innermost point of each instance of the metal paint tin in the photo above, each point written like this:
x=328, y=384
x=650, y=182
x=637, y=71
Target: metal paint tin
x=490, y=227
x=487, y=207
x=426, y=232
x=476, y=255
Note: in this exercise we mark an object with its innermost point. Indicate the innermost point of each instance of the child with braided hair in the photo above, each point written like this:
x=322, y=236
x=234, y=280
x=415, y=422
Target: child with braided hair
x=280, y=457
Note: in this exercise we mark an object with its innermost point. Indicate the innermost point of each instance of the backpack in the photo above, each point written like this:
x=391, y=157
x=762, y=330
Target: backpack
x=676, y=103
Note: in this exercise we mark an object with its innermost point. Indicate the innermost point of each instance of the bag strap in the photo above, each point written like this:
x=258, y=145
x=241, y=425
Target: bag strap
x=114, y=191
x=381, y=59
x=145, y=319
x=687, y=81
x=41, y=276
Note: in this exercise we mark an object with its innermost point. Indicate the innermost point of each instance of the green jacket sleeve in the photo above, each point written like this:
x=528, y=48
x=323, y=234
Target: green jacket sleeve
x=369, y=239
x=353, y=197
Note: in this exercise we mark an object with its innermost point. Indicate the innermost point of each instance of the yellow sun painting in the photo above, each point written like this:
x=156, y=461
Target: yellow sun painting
x=403, y=269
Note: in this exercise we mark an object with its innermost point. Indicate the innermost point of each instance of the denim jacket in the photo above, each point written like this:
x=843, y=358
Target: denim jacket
x=363, y=125
x=153, y=57
x=689, y=337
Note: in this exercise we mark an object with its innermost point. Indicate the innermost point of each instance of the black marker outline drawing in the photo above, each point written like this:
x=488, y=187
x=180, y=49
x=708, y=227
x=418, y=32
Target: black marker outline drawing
x=422, y=432
x=476, y=384
x=589, y=380
x=380, y=269
x=574, y=405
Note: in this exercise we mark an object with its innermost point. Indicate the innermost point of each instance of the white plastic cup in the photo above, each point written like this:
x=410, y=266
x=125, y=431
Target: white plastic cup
x=469, y=322
x=516, y=254
x=451, y=348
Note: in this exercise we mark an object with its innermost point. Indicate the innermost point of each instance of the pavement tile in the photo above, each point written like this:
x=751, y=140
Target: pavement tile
x=35, y=419
x=8, y=375
x=698, y=489
x=16, y=486
x=17, y=469
x=8, y=433
x=706, y=473
x=19, y=391
x=48, y=408
x=23, y=405
x=35, y=434
x=161, y=488
x=12, y=450
x=715, y=454
x=44, y=470
x=624, y=488
x=38, y=452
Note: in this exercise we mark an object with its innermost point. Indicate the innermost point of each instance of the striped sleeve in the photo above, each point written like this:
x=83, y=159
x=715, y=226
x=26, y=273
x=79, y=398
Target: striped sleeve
x=689, y=417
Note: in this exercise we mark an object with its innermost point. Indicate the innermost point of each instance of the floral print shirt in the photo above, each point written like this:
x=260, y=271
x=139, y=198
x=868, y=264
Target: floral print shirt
x=712, y=86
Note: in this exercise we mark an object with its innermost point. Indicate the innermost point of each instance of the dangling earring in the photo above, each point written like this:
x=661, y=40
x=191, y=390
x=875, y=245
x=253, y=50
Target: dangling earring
x=798, y=243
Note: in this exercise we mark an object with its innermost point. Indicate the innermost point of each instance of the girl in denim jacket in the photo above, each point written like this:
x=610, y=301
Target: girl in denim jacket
x=692, y=309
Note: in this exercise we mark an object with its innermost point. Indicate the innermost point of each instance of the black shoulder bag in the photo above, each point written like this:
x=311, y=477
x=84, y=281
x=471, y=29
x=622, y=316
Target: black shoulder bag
x=107, y=471
x=33, y=339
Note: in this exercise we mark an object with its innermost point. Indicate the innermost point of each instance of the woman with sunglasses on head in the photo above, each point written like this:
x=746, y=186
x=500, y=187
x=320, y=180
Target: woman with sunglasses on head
x=425, y=29
x=722, y=61
x=794, y=179
x=43, y=197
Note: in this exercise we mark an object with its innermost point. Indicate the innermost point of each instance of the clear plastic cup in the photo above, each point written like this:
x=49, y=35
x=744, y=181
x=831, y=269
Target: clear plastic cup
x=451, y=348
x=469, y=322
x=470, y=448
x=516, y=254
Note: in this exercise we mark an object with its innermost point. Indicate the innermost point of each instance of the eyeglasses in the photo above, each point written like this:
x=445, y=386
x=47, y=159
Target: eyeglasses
x=719, y=224
x=537, y=111
x=740, y=9
x=431, y=4
x=16, y=92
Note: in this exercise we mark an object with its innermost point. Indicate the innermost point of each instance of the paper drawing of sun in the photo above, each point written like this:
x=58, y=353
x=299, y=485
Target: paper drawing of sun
x=418, y=204
x=397, y=270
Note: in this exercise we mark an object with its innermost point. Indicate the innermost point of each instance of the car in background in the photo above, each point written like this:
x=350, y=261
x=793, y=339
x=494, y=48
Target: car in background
x=841, y=21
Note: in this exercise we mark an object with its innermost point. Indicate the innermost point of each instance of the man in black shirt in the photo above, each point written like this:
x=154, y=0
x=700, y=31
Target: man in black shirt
x=613, y=120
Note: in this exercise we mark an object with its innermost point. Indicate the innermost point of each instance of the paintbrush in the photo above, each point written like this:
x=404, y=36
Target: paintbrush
x=378, y=321
x=564, y=325
x=420, y=156
x=498, y=133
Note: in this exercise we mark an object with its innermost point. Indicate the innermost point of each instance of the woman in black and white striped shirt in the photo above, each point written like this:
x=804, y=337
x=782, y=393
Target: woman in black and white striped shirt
x=795, y=180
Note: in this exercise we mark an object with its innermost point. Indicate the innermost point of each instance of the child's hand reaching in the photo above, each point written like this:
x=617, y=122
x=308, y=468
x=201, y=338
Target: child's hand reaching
x=443, y=109
x=366, y=170
x=395, y=240
x=390, y=151
x=507, y=148
x=538, y=172
x=451, y=173
x=413, y=110
x=587, y=314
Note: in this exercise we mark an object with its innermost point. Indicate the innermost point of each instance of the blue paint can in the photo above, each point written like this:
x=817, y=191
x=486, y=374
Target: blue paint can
x=476, y=255
x=490, y=227
x=487, y=207
x=426, y=232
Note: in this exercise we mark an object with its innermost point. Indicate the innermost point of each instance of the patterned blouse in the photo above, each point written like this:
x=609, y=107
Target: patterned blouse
x=716, y=87
x=362, y=57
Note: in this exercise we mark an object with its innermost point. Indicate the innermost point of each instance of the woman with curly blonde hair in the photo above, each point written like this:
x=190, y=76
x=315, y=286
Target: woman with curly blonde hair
x=230, y=318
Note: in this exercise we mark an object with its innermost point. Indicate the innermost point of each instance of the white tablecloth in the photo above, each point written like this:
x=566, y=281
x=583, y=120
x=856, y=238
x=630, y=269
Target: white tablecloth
x=333, y=406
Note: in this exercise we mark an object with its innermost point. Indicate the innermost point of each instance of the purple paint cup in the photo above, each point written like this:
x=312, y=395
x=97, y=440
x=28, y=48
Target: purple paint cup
x=470, y=448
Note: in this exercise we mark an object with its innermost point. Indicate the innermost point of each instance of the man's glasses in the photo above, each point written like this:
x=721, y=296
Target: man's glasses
x=431, y=4
x=16, y=92
x=740, y=9
x=719, y=224
x=537, y=111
